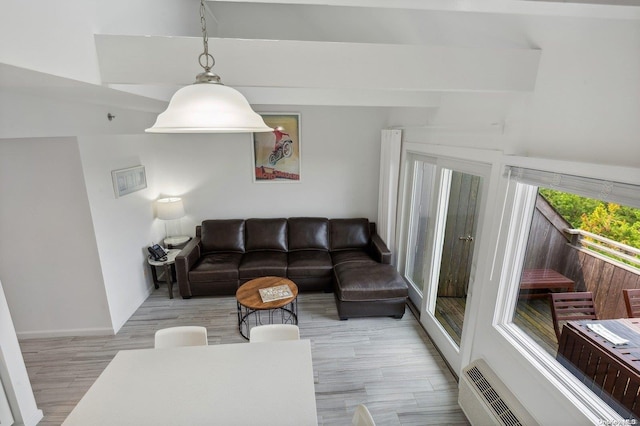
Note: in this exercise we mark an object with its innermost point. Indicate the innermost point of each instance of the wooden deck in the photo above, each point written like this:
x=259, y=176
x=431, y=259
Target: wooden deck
x=532, y=315
x=450, y=313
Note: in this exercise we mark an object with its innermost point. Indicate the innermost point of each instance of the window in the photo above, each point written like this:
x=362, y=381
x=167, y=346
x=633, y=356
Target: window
x=573, y=235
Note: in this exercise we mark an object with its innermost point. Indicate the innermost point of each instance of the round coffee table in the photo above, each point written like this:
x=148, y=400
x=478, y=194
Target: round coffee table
x=253, y=311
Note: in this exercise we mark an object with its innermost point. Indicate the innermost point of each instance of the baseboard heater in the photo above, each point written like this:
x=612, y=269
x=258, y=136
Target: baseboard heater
x=486, y=401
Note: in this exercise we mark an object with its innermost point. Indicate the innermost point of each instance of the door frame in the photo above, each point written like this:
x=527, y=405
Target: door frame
x=483, y=163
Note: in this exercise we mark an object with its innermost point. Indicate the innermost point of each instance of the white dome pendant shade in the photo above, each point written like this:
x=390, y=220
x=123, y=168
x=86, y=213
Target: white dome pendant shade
x=208, y=106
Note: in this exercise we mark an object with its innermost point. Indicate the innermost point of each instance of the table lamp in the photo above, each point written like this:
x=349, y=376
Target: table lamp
x=171, y=210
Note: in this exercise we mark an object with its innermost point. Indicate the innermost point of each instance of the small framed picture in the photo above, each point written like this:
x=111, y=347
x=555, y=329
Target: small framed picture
x=126, y=181
x=276, y=154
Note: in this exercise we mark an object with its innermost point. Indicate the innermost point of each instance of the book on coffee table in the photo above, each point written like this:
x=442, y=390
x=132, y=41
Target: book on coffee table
x=270, y=294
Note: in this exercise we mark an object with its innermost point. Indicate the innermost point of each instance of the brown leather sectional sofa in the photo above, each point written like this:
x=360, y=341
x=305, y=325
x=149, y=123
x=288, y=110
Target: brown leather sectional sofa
x=344, y=255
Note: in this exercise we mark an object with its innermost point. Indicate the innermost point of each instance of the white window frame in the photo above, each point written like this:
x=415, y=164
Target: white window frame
x=517, y=215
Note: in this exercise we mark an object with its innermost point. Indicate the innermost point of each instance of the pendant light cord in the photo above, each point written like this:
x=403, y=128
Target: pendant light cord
x=209, y=60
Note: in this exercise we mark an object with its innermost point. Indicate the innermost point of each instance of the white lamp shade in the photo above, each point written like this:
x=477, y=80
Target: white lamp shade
x=208, y=108
x=169, y=208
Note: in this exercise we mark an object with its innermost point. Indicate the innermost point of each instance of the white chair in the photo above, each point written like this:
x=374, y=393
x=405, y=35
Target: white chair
x=362, y=417
x=273, y=332
x=190, y=335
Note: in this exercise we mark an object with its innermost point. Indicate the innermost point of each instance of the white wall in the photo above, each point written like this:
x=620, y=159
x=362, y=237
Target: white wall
x=36, y=119
x=107, y=236
x=27, y=115
x=13, y=373
x=586, y=103
x=339, y=170
x=123, y=226
x=48, y=254
x=213, y=174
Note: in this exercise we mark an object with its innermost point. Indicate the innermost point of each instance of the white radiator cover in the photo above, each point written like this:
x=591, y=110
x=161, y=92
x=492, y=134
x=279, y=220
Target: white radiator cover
x=486, y=401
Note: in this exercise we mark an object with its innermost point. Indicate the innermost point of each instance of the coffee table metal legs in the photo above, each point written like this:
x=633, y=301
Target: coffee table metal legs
x=248, y=317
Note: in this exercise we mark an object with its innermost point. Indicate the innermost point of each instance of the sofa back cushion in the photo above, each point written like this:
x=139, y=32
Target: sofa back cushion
x=223, y=235
x=349, y=233
x=266, y=234
x=308, y=233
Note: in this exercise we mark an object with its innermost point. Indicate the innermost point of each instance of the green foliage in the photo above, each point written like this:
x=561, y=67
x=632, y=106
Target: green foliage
x=610, y=220
x=571, y=207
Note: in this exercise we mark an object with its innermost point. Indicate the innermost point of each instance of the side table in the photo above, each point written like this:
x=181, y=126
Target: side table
x=169, y=269
x=176, y=242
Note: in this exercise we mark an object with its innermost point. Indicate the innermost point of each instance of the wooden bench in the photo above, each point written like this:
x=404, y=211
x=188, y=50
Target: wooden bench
x=534, y=280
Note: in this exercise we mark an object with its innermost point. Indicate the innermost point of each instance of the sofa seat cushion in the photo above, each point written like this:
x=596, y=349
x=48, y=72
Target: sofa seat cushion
x=263, y=264
x=309, y=263
x=356, y=255
x=216, y=267
x=368, y=282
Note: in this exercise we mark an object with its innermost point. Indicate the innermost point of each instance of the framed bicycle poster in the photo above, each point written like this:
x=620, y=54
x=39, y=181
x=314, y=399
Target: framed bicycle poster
x=276, y=154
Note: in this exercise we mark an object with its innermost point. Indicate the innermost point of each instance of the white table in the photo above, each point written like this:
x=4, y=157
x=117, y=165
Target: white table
x=236, y=384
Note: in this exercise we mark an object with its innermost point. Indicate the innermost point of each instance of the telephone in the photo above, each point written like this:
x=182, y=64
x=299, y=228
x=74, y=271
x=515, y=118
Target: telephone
x=157, y=253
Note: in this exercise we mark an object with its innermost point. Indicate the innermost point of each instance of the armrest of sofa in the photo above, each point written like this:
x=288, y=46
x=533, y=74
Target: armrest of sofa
x=380, y=250
x=184, y=262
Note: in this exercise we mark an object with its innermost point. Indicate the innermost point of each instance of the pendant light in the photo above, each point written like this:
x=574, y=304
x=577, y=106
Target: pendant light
x=208, y=106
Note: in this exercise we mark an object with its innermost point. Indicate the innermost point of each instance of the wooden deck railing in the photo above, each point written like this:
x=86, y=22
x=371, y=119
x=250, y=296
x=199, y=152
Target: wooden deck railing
x=604, y=267
x=610, y=249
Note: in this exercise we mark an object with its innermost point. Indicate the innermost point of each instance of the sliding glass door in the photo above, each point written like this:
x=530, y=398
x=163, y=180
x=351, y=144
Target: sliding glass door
x=456, y=229
x=423, y=174
x=441, y=207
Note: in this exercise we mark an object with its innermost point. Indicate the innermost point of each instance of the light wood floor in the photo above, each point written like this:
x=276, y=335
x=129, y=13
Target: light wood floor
x=389, y=365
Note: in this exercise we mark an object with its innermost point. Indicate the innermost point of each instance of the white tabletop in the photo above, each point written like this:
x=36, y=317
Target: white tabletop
x=237, y=384
x=174, y=241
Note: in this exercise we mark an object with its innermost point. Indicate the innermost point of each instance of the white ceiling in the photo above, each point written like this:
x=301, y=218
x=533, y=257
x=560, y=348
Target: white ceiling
x=307, y=53
x=33, y=83
x=379, y=53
